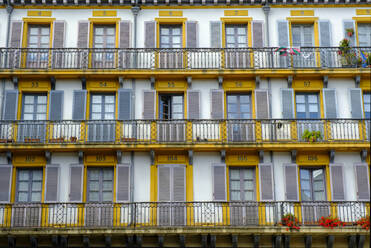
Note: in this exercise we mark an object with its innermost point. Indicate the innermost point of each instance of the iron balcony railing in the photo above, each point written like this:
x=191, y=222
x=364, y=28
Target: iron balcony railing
x=182, y=59
x=175, y=214
x=186, y=131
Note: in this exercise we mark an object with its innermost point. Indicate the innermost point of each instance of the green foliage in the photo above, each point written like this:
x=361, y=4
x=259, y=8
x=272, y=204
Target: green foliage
x=311, y=136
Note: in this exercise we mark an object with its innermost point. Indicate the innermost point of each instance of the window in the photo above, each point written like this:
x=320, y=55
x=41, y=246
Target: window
x=102, y=107
x=34, y=107
x=312, y=183
x=170, y=36
x=38, y=37
x=100, y=185
x=236, y=35
x=239, y=106
x=171, y=107
x=29, y=185
x=302, y=35
x=307, y=106
x=104, y=36
x=364, y=34
x=367, y=104
x=242, y=184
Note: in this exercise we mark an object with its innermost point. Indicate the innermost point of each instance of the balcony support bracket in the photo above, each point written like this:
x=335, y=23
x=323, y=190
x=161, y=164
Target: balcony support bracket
x=139, y=241
x=325, y=81
x=277, y=241
x=293, y=156
x=52, y=83
x=352, y=241
x=15, y=82
x=48, y=157
x=190, y=157
x=363, y=155
x=108, y=241
x=130, y=241
x=33, y=241
x=286, y=241
x=63, y=242
x=361, y=240
x=81, y=157
x=182, y=241
x=55, y=242
x=121, y=82
x=357, y=80
x=189, y=82
x=220, y=81
x=160, y=241
x=152, y=155
x=261, y=156
x=9, y=157
x=256, y=239
x=204, y=241
x=308, y=241
x=11, y=242
x=222, y=156
x=289, y=81
x=257, y=82
x=212, y=241
x=332, y=156
x=85, y=242
x=234, y=241
x=153, y=81
x=119, y=156
x=330, y=241
x=83, y=83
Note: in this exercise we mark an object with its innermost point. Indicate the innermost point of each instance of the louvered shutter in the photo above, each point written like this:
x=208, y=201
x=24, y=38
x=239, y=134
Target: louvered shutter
x=257, y=34
x=356, y=103
x=16, y=34
x=287, y=100
x=192, y=35
x=125, y=34
x=216, y=34
x=52, y=182
x=124, y=104
x=337, y=182
x=58, y=36
x=219, y=182
x=56, y=105
x=79, y=105
x=362, y=181
x=329, y=99
x=193, y=104
x=83, y=34
x=217, y=104
x=76, y=179
x=164, y=186
x=179, y=184
x=291, y=182
x=262, y=104
x=149, y=104
x=324, y=33
x=283, y=33
x=150, y=34
x=266, y=182
x=10, y=105
x=123, y=183
x=349, y=24
x=5, y=182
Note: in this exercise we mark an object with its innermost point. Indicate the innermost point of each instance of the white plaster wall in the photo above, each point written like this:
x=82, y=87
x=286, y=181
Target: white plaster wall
x=205, y=87
x=279, y=159
x=64, y=160
x=202, y=175
x=342, y=94
x=140, y=86
x=142, y=177
x=3, y=159
x=276, y=85
x=68, y=86
x=3, y=26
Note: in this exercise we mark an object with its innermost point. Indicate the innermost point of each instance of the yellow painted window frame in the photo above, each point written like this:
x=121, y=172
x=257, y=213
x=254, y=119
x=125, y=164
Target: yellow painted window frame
x=311, y=90
x=162, y=21
x=357, y=20
x=172, y=91
x=95, y=21
x=245, y=20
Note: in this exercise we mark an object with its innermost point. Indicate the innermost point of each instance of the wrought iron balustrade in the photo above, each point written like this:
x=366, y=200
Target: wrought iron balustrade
x=175, y=214
x=180, y=59
x=184, y=131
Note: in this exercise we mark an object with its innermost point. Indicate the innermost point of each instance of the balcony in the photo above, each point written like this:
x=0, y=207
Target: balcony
x=274, y=132
x=138, y=215
x=197, y=59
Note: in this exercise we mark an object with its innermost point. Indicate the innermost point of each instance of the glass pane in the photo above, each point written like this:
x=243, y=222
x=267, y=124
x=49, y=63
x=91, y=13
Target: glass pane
x=366, y=98
x=234, y=174
x=176, y=46
x=177, y=99
x=110, y=39
x=107, y=196
x=178, y=108
x=249, y=174
x=93, y=196
x=246, y=116
x=45, y=31
x=230, y=30
x=41, y=117
x=232, y=108
x=107, y=185
x=304, y=174
x=241, y=39
x=165, y=31
x=109, y=116
x=319, y=196
x=235, y=185
x=235, y=196
x=176, y=39
x=242, y=45
x=36, y=196
x=98, y=39
x=109, y=108
x=107, y=174
x=318, y=186
x=312, y=98
x=318, y=174
x=96, y=116
x=94, y=186
x=37, y=175
x=94, y=175
x=34, y=31
x=245, y=99
x=41, y=99
x=313, y=108
x=164, y=39
x=109, y=99
x=22, y=196
x=249, y=185
x=44, y=39
x=300, y=107
x=28, y=117
x=28, y=108
x=33, y=39
x=97, y=99
x=233, y=116
x=230, y=39
x=241, y=30
x=110, y=31
x=245, y=108
x=300, y=98
x=23, y=186
x=305, y=184
x=29, y=99
x=99, y=31
x=176, y=31
x=41, y=108
x=232, y=99
x=367, y=107
x=305, y=195
x=249, y=196
x=97, y=108
x=36, y=186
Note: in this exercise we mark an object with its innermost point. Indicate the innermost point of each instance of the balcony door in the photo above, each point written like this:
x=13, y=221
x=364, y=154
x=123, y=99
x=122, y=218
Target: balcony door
x=236, y=37
x=99, y=207
x=303, y=36
x=27, y=210
x=171, y=37
x=243, y=206
x=171, y=195
x=32, y=127
x=238, y=110
x=313, y=189
x=171, y=111
x=101, y=126
x=104, y=42
x=38, y=44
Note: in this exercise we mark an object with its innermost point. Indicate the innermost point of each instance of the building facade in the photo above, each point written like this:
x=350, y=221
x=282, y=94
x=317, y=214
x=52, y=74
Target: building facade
x=184, y=123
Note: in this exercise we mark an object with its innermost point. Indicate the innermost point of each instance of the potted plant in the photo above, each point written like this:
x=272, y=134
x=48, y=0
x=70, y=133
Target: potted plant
x=347, y=56
x=311, y=136
x=73, y=139
x=290, y=222
x=364, y=223
x=350, y=32
x=330, y=222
